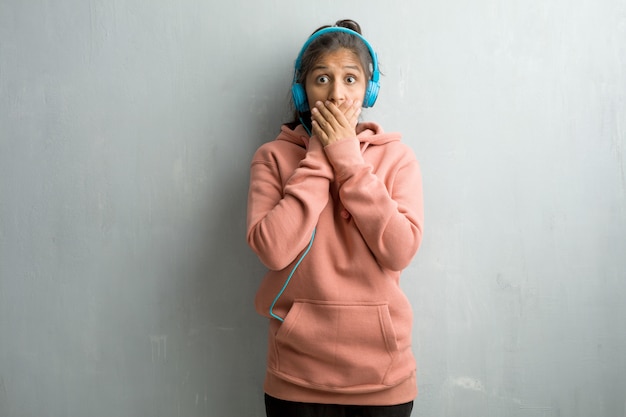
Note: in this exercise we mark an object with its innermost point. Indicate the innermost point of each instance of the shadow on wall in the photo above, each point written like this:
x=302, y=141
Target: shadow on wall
x=223, y=339
x=228, y=328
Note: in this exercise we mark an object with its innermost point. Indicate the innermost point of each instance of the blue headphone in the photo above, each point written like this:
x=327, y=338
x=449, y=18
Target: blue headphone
x=297, y=90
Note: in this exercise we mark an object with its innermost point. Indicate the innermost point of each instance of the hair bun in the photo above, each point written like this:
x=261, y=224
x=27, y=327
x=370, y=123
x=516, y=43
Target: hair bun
x=349, y=24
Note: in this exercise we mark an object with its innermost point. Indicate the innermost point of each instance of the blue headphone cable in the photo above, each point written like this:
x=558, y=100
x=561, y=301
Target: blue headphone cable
x=282, y=290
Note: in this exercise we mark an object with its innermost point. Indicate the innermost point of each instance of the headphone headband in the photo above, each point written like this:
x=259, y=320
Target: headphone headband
x=298, y=92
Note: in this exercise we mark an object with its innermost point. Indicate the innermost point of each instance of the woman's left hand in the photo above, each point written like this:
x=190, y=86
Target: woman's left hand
x=332, y=123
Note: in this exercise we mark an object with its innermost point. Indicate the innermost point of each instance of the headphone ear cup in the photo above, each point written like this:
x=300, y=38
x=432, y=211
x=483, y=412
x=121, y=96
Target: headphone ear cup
x=371, y=94
x=299, y=98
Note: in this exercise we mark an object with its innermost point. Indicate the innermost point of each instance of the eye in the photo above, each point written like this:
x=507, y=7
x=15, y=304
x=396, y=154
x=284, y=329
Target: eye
x=350, y=79
x=322, y=79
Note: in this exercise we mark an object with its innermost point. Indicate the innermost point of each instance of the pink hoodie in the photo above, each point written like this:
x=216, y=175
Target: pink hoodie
x=346, y=335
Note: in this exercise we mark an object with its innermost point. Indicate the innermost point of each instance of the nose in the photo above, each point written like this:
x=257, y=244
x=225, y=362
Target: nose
x=336, y=93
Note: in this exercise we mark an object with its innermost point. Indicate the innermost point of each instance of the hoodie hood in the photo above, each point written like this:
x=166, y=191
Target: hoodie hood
x=368, y=133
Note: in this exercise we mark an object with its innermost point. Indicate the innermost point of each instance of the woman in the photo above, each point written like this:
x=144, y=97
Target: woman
x=335, y=212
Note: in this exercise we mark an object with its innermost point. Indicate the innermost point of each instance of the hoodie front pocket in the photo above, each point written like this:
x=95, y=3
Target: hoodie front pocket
x=336, y=346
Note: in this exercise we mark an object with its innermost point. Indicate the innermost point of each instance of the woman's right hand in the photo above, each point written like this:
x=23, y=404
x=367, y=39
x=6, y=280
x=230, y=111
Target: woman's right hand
x=332, y=123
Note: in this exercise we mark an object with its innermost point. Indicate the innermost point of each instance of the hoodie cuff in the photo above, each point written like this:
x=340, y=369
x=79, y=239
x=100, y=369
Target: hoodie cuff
x=316, y=159
x=345, y=157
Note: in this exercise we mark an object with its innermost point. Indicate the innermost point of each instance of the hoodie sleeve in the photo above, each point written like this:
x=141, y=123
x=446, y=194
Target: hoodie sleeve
x=388, y=214
x=281, y=218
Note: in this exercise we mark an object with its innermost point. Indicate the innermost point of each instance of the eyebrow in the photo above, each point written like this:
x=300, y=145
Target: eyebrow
x=324, y=67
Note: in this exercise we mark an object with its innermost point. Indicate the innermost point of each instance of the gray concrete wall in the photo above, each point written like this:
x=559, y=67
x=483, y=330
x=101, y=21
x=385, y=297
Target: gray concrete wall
x=126, y=130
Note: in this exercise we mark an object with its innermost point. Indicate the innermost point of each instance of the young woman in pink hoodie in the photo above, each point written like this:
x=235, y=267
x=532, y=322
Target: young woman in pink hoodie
x=335, y=212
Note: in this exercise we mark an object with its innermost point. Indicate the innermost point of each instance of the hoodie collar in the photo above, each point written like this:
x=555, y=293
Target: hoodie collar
x=368, y=133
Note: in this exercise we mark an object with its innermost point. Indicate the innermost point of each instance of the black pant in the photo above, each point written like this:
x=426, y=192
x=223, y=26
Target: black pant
x=281, y=408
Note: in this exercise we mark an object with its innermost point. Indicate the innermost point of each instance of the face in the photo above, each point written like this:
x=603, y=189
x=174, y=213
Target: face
x=337, y=76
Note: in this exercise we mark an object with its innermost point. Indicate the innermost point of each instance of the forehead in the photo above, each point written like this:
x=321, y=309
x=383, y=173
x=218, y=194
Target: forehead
x=339, y=58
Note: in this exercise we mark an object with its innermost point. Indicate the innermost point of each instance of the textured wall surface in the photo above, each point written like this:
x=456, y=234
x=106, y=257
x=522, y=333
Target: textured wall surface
x=126, y=130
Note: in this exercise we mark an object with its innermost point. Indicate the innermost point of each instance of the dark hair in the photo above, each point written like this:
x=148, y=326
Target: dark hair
x=331, y=42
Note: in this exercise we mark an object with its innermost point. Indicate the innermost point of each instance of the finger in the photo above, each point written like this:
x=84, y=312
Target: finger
x=330, y=118
x=335, y=114
x=321, y=120
x=319, y=133
x=337, y=111
x=325, y=110
x=346, y=106
x=351, y=111
x=352, y=114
